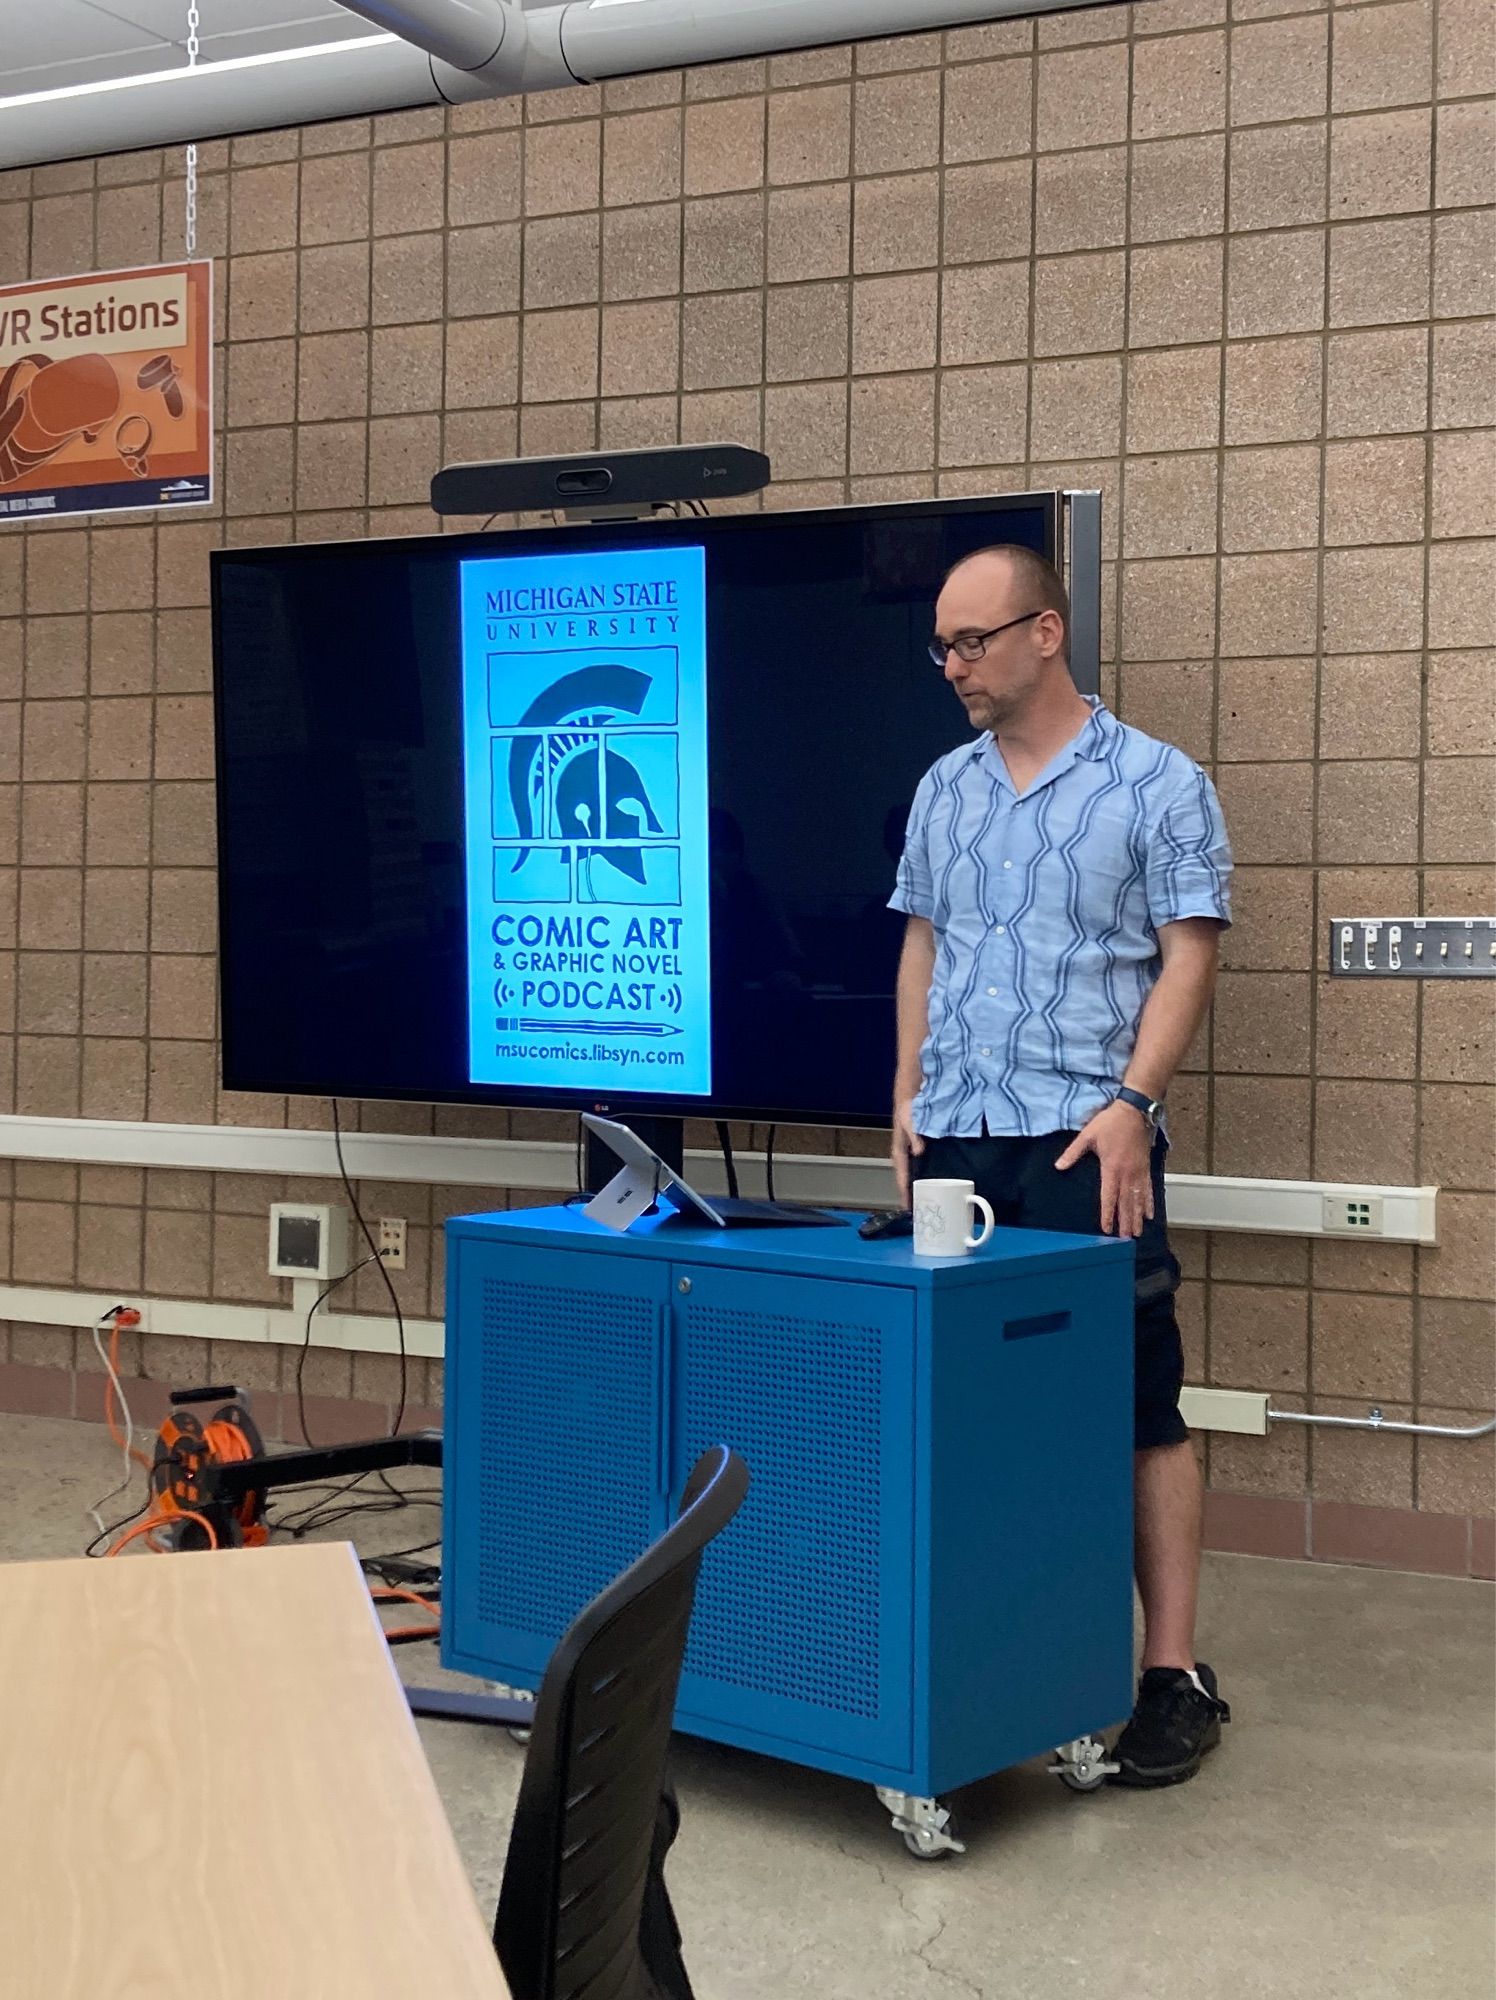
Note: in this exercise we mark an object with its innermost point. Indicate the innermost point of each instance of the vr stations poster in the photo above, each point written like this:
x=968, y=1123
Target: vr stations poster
x=106, y=398
x=584, y=740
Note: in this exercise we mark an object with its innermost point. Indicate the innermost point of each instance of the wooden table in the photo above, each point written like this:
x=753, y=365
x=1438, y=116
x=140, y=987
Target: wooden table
x=210, y=1784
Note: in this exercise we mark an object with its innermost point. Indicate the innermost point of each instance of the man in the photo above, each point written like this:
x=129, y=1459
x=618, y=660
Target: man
x=1065, y=880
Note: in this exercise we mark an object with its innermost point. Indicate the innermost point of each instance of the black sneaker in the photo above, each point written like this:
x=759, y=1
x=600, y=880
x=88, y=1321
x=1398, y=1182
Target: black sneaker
x=1172, y=1727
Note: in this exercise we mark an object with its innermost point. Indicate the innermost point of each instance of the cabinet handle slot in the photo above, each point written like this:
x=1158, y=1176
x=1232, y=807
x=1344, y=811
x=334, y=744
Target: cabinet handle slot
x=1025, y=1329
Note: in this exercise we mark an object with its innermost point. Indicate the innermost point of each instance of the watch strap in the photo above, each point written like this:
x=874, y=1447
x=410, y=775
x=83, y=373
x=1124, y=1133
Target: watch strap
x=1150, y=1107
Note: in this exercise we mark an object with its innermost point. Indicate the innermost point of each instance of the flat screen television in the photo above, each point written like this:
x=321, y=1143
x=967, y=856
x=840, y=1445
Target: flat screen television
x=586, y=817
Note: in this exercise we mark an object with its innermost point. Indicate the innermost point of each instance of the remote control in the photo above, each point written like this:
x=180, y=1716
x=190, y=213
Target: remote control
x=886, y=1223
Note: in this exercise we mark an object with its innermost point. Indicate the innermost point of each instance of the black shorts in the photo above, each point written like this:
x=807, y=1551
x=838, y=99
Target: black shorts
x=1018, y=1177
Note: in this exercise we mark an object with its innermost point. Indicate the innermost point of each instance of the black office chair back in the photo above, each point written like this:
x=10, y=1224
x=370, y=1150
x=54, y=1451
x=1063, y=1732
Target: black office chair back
x=583, y=1913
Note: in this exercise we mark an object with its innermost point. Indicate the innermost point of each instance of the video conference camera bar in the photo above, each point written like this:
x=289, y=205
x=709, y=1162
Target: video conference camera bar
x=602, y=485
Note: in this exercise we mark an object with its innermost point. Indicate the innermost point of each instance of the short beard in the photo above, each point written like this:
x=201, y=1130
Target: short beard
x=989, y=712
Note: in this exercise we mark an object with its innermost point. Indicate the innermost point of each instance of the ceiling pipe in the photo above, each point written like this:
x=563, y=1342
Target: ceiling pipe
x=608, y=38
x=465, y=33
x=478, y=48
x=589, y=41
x=346, y=79
x=452, y=51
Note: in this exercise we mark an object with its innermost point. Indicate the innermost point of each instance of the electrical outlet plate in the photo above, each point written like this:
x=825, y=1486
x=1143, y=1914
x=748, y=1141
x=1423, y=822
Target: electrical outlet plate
x=1413, y=947
x=1353, y=1214
x=391, y=1240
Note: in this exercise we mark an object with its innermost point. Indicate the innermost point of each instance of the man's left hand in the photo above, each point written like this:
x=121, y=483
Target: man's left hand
x=1122, y=1140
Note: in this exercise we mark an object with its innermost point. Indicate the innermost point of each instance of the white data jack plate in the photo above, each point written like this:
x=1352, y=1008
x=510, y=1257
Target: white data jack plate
x=308, y=1240
x=1353, y=1214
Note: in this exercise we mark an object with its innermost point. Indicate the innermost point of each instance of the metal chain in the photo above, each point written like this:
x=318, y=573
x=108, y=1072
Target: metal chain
x=192, y=53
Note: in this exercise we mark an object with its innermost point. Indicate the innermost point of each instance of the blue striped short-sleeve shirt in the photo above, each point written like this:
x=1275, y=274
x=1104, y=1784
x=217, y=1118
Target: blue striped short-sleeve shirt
x=1046, y=909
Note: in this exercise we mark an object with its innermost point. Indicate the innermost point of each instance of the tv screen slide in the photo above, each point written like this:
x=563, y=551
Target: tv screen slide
x=585, y=817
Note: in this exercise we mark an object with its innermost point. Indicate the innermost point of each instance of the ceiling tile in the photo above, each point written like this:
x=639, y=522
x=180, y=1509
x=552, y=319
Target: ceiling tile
x=67, y=31
x=167, y=19
x=89, y=41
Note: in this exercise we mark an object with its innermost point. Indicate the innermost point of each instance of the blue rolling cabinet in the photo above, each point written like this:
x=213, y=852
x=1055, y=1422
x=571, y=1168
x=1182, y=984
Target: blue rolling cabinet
x=931, y=1577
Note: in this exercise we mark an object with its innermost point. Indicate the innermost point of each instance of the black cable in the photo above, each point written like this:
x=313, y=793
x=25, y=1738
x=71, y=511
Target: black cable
x=306, y=1343
x=324, y=1514
x=724, y=1140
x=368, y=1234
x=769, y=1163
x=114, y=1528
x=168, y=1458
x=314, y=1524
x=398, y=1564
x=398, y=1555
x=338, y=1489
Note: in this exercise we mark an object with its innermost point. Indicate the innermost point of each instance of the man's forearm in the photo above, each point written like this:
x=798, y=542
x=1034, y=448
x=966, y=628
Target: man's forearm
x=1170, y=1019
x=916, y=971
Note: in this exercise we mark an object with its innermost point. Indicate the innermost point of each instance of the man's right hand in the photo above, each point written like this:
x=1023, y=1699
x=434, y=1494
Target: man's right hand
x=907, y=1145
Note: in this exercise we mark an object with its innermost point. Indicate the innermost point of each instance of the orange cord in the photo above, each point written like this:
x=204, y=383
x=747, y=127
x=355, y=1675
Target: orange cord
x=127, y=1318
x=155, y=1521
x=387, y=1593
x=228, y=1442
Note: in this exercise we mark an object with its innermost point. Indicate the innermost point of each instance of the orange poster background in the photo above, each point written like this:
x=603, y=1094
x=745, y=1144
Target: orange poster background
x=80, y=431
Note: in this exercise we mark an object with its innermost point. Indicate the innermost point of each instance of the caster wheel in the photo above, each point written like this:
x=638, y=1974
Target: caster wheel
x=1090, y=1783
x=1083, y=1765
x=926, y=1826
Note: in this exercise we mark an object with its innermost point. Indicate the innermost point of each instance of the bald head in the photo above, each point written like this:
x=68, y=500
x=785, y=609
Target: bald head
x=1026, y=573
x=1003, y=618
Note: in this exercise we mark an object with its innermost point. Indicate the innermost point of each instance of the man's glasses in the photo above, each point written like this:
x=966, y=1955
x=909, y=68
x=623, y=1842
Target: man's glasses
x=970, y=646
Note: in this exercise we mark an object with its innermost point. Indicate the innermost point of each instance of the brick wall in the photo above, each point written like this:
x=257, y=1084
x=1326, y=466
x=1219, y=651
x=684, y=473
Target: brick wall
x=1235, y=269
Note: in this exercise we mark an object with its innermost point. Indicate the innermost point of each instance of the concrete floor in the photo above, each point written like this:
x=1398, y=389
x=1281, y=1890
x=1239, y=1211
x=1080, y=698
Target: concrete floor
x=1339, y=1844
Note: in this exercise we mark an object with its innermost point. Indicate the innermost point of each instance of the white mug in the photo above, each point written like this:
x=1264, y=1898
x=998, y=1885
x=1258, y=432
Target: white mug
x=941, y=1214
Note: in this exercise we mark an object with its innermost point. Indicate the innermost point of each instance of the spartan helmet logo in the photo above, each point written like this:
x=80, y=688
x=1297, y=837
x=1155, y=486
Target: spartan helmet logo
x=626, y=810
x=596, y=796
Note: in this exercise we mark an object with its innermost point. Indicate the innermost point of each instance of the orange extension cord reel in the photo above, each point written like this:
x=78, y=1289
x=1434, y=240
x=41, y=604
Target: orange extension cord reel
x=180, y=1500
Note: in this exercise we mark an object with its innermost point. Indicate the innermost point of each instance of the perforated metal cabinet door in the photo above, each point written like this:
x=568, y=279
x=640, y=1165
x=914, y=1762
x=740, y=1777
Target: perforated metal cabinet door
x=803, y=1622
x=555, y=1474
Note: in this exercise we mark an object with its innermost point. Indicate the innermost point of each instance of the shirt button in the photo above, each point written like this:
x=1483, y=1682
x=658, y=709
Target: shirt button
x=991, y=992
x=1002, y=930
x=1007, y=864
x=986, y=1052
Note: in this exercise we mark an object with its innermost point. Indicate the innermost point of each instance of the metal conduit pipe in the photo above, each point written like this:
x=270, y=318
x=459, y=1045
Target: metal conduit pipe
x=1375, y=1421
x=465, y=33
x=606, y=38
x=261, y=93
x=587, y=41
x=450, y=51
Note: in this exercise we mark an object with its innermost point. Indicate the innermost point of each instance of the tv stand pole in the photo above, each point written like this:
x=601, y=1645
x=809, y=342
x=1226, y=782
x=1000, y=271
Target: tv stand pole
x=665, y=1136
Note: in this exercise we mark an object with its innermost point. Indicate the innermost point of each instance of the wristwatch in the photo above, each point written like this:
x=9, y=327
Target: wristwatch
x=1152, y=1108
